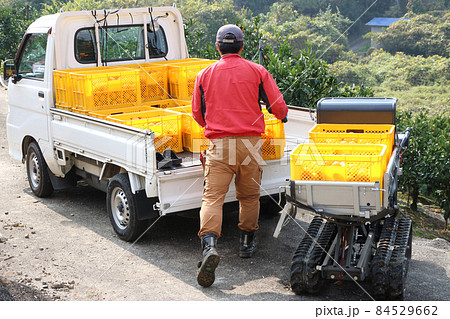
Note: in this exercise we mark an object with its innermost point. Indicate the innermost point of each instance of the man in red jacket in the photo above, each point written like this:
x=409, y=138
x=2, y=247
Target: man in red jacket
x=226, y=101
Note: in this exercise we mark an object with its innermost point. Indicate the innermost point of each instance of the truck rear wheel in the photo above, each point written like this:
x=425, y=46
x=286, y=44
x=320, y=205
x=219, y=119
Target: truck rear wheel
x=121, y=206
x=37, y=172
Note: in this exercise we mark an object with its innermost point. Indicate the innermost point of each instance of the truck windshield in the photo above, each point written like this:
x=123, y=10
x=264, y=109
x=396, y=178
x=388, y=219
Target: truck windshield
x=119, y=43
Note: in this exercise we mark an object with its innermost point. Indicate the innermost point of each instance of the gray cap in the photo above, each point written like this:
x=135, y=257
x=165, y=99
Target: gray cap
x=229, y=33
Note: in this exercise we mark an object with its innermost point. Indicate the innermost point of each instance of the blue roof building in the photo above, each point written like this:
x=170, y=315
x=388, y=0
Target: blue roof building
x=379, y=25
x=382, y=22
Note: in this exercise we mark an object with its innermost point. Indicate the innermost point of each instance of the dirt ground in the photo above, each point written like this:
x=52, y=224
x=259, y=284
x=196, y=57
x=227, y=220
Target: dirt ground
x=64, y=248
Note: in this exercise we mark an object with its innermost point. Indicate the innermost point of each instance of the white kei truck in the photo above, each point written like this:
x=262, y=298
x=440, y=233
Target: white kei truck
x=61, y=148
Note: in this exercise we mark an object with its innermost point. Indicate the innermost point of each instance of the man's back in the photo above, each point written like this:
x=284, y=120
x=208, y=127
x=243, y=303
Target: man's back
x=230, y=91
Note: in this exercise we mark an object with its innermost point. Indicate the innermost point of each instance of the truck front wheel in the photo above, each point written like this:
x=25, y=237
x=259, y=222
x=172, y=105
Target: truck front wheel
x=121, y=205
x=37, y=172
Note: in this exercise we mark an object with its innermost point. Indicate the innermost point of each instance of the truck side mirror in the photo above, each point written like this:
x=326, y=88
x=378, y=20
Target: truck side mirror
x=9, y=69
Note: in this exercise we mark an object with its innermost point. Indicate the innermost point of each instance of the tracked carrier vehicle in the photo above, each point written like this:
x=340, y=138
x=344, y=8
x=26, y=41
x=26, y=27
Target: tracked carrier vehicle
x=358, y=232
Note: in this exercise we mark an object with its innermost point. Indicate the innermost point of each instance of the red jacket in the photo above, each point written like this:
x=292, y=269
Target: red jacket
x=229, y=91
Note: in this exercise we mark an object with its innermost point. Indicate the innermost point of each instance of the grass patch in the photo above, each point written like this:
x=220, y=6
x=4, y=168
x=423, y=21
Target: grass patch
x=426, y=226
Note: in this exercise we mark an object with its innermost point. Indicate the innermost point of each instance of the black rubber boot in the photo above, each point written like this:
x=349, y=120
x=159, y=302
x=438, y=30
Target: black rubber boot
x=207, y=267
x=247, y=244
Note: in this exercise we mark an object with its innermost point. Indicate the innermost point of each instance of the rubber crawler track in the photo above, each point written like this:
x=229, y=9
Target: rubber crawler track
x=390, y=263
x=398, y=265
x=310, y=253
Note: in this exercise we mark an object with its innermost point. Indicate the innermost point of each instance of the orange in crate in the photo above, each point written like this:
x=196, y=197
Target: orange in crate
x=165, y=124
x=95, y=88
x=339, y=162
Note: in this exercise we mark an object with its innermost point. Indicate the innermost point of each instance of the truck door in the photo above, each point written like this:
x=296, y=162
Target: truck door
x=29, y=93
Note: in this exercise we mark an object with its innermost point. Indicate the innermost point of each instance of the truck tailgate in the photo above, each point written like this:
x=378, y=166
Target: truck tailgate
x=182, y=189
x=103, y=141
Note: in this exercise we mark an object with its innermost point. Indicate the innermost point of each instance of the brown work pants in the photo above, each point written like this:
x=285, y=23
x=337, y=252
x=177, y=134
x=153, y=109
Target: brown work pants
x=227, y=157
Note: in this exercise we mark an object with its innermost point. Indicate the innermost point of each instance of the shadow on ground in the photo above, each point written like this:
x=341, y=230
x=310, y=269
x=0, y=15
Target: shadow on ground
x=14, y=291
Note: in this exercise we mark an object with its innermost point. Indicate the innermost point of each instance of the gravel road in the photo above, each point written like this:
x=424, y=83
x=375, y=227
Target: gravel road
x=64, y=248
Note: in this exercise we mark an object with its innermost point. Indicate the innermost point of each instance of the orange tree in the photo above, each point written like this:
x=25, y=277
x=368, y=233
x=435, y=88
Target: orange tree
x=304, y=79
x=426, y=162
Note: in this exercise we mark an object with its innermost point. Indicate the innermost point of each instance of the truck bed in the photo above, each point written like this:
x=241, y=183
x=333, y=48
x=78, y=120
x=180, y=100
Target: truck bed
x=178, y=188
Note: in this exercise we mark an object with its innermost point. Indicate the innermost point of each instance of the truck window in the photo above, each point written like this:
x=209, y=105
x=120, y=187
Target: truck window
x=157, y=45
x=119, y=43
x=32, y=60
x=85, y=49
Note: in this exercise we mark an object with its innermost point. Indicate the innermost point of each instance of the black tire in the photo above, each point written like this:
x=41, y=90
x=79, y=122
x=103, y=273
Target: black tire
x=121, y=206
x=37, y=172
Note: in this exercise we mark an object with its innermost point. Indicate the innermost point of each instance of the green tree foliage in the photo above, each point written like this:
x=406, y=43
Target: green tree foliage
x=353, y=9
x=324, y=32
x=418, y=82
x=203, y=20
x=423, y=6
x=13, y=23
x=426, y=162
x=380, y=67
x=255, y=6
x=304, y=79
x=424, y=34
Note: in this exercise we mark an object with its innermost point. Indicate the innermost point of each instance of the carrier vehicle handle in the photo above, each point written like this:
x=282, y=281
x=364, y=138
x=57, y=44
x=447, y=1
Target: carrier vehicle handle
x=405, y=139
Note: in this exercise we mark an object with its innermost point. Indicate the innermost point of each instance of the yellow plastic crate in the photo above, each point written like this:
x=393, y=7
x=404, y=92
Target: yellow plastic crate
x=339, y=162
x=168, y=103
x=63, y=89
x=63, y=85
x=104, y=113
x=354, y=134
x=96, y=88
x=273, y=137
x=153, y=80
x=194, y=139
x=182, y=78
x=165, y=124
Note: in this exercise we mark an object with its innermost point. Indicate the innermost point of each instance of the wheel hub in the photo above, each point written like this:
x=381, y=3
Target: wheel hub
x=120, y=208
x=35, y=171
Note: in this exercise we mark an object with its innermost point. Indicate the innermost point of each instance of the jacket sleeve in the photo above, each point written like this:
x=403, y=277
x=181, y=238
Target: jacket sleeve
x=274, y=96
x=197, y=104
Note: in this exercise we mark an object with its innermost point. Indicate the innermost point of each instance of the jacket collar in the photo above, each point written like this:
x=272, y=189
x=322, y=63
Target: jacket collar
x=230, y=55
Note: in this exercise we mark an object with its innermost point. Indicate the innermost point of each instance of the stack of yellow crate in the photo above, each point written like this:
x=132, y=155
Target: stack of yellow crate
x=344, y=152
x=129, y=93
